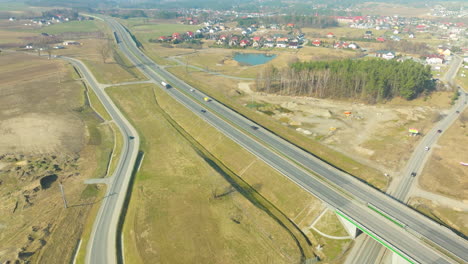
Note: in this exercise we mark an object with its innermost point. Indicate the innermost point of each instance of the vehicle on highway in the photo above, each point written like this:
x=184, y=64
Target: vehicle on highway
x=254, y=127
x=413, y=174
x=427, y=148
x=457, y=112
x=131, y=137
x=203, y=111
x=166, y=85
x=192, y=90
x=207, y=99
x=439, y=131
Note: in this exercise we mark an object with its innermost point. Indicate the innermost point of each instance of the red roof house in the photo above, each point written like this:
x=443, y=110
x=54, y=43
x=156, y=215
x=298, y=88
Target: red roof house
x=330, y=35
x=316, y=42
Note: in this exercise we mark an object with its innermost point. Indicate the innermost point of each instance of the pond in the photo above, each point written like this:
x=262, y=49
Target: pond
x=253, y=58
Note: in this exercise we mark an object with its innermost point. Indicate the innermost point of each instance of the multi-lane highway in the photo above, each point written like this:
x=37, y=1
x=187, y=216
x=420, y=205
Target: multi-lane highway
x=102, y=242
x=333, y=187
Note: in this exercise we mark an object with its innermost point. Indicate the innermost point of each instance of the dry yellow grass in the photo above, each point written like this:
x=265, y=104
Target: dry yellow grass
x=443, y=173
x=451, y=217
x=182, y=221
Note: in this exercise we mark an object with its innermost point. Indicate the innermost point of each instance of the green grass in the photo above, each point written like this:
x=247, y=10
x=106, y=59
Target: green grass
x=177, y=186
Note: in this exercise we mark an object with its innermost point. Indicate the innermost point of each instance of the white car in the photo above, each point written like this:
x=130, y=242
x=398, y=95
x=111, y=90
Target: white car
x=426, y=148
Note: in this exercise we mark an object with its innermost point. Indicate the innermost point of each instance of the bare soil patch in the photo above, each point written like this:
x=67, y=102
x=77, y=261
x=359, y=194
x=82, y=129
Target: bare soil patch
x=48, y=136
x=376, y=135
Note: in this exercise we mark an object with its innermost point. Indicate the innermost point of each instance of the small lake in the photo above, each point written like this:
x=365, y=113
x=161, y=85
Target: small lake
x=253, y=58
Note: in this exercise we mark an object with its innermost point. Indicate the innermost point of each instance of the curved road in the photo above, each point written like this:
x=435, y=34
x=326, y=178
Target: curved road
x=331, y=185
x=102, y=242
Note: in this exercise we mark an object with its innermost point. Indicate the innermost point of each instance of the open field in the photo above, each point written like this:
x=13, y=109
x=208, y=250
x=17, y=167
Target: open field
x=72, y=26
x=375, y=8
x=443, y=173
x=53, y=136
x=186, y=192
x=451, y=217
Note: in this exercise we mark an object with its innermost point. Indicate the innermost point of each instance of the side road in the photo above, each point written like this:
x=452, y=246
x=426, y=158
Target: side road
x=101, y=245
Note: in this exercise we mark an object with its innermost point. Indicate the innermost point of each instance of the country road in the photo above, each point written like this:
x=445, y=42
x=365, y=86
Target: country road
x=332, y=186
x=102, y=242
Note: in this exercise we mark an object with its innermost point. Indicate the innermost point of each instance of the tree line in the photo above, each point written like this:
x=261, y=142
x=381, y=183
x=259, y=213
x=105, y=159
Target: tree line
x=298, y=20
x=371, y=81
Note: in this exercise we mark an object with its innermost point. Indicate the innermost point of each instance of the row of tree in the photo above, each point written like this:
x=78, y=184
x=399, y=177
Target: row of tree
x=371, y=81
x=297, y=20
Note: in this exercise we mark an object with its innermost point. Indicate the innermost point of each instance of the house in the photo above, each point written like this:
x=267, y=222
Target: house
x=421, y=28
x=444, y=51
x=396, y=32
x=395, y=38
x=243, y=43
x=71, y=42
x=411, y=35
x=59, y=47
x=256, y=39
x=282, y=42
x=291, y=25
x=330, y=35
x=317, y=43
x=233, y=41
x=190, y=34
x=353, y=46
x=368, y=34
x=293, y=45
x=380, y=39
x=269, y=43
x=12, y=19
x=434, y=59
x=175, y=36
x=28, y=46
x=163, y=38
x=385, y=54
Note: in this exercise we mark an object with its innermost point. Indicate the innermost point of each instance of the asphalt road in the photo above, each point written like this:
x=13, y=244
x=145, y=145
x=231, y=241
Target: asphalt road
x=416, y=163
x=334, y=187
x=102, y=242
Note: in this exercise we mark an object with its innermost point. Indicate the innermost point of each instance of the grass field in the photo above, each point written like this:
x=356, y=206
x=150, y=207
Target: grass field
x=72, y=26
x=41, y=226
x=190, y=205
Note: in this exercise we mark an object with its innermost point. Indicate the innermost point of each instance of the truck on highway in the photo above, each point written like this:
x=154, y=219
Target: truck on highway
x=207, y=99
x=166, y=85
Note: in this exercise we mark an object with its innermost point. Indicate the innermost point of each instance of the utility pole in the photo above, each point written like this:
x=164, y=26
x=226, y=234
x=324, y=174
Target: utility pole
x=63, y=195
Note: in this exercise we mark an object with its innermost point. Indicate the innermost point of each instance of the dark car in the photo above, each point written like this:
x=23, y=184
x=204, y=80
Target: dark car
x=457, y=112
x=131, y=137
x=254, y=127
x=439, y=131
x=203, y=111
x=413, y=174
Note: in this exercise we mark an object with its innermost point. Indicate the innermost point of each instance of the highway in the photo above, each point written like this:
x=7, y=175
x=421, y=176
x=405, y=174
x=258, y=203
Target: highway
x=339, y=189
x=101, y=246
x=415, y=164
x=333, y=187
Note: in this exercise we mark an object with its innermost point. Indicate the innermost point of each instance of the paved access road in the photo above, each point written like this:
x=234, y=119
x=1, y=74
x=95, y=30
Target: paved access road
x=332, y=186
x=102, y=242
x=417, y=161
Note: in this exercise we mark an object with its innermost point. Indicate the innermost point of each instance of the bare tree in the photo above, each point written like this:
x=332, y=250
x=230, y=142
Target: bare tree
x=105, y=51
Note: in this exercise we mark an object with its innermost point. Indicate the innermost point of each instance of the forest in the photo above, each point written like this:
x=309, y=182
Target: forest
x=369, y=80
